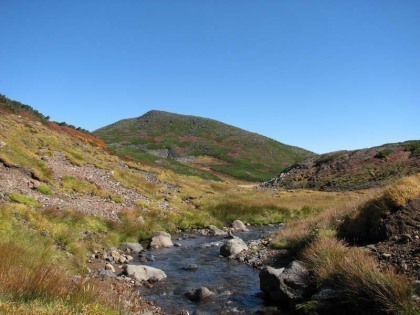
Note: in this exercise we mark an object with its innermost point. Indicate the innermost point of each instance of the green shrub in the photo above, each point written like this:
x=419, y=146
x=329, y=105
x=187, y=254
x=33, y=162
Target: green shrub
x=384, y=153
x=72, y=184
x=45, y=190
x=117, y=199
x=18, y=198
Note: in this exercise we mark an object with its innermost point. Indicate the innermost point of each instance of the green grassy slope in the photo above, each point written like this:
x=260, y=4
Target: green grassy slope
x=241, y=154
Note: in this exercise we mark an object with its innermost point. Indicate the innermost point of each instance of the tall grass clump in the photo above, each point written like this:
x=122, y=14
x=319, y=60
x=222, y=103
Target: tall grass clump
x=363, y=225
x=26, y=200
x=45, y=190
x=298, y=234
x=355, y=273
x=28, y=273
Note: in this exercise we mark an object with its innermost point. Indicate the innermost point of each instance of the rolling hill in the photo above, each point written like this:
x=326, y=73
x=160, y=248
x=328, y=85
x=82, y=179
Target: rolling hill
x=351, y=170
x=202, y=143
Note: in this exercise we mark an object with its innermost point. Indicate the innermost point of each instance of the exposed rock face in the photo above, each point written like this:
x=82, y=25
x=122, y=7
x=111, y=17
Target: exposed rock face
x=214, y=231
x=239, y=226
x=144, y=273
x=233, y=247
x=285, y=285
x=161, y=240
x=199, y=295
x=131, y=247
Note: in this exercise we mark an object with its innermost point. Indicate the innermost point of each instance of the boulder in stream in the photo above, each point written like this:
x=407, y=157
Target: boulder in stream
x=215, y=231
x=233, y=247
x=144, y=273
x=284, y=285
x=161, y=240
x=238, y=225
x=131, y=247
x=190, y=267
x=199, y=295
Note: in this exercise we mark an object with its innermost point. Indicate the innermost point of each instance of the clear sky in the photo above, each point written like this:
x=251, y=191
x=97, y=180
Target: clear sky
x=322, y=75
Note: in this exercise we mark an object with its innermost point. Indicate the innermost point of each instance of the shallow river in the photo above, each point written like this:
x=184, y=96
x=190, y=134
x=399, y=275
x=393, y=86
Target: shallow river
x=236, y=284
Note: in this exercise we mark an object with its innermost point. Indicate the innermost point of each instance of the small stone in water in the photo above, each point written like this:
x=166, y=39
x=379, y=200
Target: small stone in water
x=191, y=267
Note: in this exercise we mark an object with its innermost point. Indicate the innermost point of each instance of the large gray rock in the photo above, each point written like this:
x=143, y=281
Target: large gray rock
x=328, y=299
x=285, y=285
x=199, y=295
x=104, y=274
x=233, y=247
x=214, y=231
x=131, y=247
x=161, y=240
x=144, y=273
x=239, y=226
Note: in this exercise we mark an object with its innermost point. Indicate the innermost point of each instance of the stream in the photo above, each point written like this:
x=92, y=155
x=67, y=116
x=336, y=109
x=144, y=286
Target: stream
x=236, y=284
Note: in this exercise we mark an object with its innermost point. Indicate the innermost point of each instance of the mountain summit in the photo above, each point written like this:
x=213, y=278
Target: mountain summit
x=201, y=142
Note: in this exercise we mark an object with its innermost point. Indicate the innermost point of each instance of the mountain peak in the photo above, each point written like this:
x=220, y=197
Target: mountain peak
x=233, y=151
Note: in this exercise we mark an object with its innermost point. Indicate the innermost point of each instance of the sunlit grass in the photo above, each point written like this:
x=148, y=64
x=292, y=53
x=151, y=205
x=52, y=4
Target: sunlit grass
x=356, y=273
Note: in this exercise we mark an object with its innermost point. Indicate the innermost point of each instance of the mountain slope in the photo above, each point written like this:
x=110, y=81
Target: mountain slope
x=235, y=152
x=358, y=169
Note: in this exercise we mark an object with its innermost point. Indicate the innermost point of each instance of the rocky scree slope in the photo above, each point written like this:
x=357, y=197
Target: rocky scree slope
x=352, y=170
x=234, y=151
x=71, y=171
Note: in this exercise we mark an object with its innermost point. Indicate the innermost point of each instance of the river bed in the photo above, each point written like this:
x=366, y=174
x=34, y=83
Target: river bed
x=236, y=284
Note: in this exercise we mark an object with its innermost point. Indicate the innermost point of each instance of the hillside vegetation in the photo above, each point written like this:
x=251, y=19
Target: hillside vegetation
x=64, y=196
x=366, y=277
x=188, y=139
x=351, y=170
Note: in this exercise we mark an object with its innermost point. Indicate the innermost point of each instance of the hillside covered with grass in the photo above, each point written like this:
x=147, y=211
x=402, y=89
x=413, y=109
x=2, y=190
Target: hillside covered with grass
x=188, y=139
x=65, y=197
x=351, y=170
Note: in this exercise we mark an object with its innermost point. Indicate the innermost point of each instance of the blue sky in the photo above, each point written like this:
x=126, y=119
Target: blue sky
x=322, y=75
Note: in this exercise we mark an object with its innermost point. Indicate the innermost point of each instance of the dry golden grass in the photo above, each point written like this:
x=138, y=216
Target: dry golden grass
x=299, y=233
x=355, y=272
x=28, y=274
x=362, y=224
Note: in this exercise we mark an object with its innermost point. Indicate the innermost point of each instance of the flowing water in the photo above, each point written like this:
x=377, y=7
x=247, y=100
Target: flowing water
x=236, y=284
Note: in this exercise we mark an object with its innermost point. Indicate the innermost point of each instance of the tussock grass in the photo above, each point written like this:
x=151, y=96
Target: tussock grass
x=32, y=274
x=362, y=225
x=71, y=184
x=297, y=234
x=26, y=200
x=45, y=190
x=355, y=272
